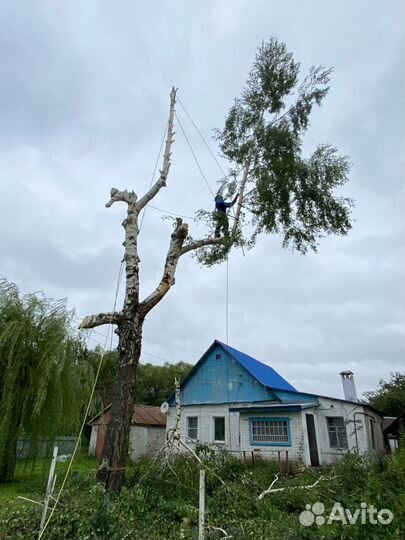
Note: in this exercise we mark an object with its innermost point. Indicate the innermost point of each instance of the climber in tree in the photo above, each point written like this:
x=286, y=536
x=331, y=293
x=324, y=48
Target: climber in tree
x=220, y=214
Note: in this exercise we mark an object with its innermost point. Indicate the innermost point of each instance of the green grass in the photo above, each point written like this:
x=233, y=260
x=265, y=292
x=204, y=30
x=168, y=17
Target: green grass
x=160, y=502
x=30, y=480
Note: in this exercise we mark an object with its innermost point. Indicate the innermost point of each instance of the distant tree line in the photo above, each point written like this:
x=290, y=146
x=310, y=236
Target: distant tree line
x=155, y=383
x=389, y=398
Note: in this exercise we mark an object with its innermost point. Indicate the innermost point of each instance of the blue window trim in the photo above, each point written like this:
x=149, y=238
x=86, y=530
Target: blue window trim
x=264, y=419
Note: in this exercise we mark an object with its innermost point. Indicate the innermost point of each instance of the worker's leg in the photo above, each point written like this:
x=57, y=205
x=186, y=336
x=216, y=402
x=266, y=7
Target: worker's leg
x=225, y=226
x=218, y=216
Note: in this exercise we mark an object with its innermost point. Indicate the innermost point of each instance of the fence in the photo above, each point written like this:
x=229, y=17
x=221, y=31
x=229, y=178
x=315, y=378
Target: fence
x=252, y=456
x=43, y=447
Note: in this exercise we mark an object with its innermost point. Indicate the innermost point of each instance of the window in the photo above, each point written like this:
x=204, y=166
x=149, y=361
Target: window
x=219, y=429
x=218, y=357
x=372, y=433
x=270, y=431
x=337, y=432
x=192, y=427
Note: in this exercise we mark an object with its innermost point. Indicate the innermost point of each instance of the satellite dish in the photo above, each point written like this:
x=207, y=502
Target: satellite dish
x=164, y=408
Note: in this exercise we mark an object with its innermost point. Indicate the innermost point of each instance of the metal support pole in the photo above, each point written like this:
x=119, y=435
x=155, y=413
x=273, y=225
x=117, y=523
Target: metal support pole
x=201, y=507
x=49, y=488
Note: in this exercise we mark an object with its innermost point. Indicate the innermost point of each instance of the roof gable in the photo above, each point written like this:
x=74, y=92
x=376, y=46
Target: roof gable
x=231, y=377
x=263, y=373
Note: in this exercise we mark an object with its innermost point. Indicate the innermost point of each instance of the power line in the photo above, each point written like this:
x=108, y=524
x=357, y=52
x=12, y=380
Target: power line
x=153, y=174
x=171, y=213
x=143, y=352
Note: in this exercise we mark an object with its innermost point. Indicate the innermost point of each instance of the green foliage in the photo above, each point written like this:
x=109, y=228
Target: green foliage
x=44, y=378
x=156, y=383
x=389, y=398
x=160, y=502
x=285, y=193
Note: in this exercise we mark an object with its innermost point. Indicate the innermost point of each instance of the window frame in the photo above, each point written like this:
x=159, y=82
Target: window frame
x=270, y=419
x=214, y=418
x=192, y=417
x=337, y=430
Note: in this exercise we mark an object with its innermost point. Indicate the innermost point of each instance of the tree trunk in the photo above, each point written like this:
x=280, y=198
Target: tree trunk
x=115, y=451
x=130, y=320
x=8, y=455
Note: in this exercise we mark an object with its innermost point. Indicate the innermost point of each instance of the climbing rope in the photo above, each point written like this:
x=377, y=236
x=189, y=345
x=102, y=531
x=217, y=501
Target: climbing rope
x=154, y=172
x=202, y=137
x=194, y=155
x=232, y=217
x=120, y=273
x=86, y=412
x=227, y=300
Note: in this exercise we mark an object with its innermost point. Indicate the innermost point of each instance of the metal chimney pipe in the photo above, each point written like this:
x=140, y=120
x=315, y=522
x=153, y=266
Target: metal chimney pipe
x=349, y=388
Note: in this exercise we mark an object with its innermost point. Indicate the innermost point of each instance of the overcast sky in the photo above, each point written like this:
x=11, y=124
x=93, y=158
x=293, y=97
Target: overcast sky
x=84, y=102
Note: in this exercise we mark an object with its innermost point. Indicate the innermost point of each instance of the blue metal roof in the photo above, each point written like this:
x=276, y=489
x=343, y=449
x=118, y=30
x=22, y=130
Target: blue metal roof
x=266, y=375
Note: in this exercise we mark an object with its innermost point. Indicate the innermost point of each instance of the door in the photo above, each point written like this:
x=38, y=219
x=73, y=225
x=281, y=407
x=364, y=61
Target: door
x=101, y=429
x=313, y=447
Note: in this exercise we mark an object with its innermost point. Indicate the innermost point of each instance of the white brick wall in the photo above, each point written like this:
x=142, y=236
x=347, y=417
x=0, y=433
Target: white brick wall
x=145, y=441
x=271, y=451
x=350, y=412
x=237, y=436
x=205, y=414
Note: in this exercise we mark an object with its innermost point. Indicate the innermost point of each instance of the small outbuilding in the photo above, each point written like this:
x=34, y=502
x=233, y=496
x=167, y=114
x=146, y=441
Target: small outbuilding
x=393, y=427
x=147, y=435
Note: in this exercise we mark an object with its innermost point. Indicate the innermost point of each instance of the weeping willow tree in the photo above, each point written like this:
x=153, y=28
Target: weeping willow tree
x=44, y=381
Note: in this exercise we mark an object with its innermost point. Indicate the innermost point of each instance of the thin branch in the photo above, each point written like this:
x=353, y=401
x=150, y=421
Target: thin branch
x=161, y=182
x=196, y=244
x=270, y=490
x=175, y=248
x=92, y=321
x=220, y=529
x=116, y=195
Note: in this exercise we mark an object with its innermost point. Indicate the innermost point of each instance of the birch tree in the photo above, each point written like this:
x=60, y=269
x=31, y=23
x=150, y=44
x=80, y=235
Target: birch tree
x=280, y=191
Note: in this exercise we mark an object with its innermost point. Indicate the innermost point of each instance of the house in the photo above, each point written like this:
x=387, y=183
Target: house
x=231, y=400
x=147, y=434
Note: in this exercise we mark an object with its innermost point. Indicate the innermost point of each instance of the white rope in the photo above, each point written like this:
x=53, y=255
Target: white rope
x=85, y=414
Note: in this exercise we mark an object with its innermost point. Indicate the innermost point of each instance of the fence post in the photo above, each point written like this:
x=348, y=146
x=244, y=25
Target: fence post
x=201, y=506
x=49, y=489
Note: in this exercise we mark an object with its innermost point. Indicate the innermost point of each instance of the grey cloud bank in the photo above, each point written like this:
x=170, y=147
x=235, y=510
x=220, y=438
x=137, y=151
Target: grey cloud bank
x=83, y=100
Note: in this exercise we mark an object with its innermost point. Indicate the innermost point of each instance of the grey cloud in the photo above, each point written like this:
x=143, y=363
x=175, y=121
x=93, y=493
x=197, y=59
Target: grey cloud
x=83, y=100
